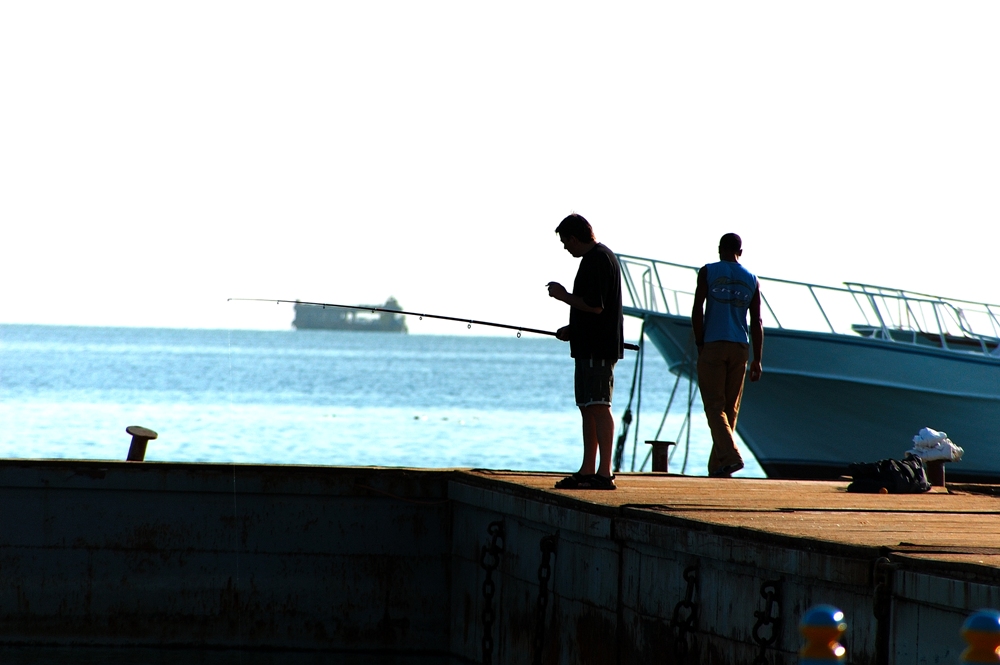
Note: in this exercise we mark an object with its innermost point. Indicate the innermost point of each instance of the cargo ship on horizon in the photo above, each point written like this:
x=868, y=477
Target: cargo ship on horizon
x=317, y=317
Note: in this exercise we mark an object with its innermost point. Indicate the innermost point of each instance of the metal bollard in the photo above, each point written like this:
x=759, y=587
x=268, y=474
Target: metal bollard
x=660, y=454
x=822, y=627
x=982, y=633
x=140, y=437
x=935, y=472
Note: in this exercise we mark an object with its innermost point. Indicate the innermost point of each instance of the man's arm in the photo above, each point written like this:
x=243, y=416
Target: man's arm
x=756, y=336
x=559, y=292
x=698, y=311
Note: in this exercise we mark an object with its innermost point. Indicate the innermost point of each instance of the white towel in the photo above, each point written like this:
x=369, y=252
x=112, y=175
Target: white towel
x=930, y=444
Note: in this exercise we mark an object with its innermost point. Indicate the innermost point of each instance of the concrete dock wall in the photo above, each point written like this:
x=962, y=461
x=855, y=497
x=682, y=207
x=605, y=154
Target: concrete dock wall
x=928, y=610
x=618, y=579
x=221, y=555
x=397, y=560
x=635, y=585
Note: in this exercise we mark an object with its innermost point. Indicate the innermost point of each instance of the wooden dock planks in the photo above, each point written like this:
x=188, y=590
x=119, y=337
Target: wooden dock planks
x=943, y=525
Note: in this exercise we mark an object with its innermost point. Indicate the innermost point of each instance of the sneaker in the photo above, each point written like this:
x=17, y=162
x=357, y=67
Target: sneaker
x=726, y=471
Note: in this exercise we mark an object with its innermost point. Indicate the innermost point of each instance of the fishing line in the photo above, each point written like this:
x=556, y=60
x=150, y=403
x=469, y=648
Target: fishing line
x=692, y=379
x=469, y=322
x=638, y=405
x=236, y=514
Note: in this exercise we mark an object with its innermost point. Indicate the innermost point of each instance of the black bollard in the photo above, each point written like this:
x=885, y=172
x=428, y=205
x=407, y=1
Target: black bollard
x=140, y=436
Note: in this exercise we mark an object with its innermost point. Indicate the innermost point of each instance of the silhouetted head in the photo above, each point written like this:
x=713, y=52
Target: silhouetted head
x=731, y=243
x=577, y=227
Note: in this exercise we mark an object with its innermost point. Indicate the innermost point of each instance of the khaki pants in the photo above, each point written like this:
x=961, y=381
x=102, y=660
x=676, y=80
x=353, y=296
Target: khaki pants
x=722, y=367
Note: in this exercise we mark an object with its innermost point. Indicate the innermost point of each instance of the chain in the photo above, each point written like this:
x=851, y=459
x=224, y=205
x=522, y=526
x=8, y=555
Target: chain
x=882, y=577
x=489, y=561
x=770, y=616
x=684, y=625
x=882, y=595
x=548, y=547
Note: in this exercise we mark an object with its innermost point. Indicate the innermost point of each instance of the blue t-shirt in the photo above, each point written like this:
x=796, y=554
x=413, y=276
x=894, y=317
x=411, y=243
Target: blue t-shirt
x=730, y=290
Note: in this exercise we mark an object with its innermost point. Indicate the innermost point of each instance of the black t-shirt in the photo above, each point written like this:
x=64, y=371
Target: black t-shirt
x=599, y=282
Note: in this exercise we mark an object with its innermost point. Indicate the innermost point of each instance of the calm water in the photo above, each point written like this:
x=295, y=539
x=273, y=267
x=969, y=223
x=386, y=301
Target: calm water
x=314, y=397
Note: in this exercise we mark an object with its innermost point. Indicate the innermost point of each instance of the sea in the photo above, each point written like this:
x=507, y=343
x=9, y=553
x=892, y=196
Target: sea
x=327, y=398
x=318, y=398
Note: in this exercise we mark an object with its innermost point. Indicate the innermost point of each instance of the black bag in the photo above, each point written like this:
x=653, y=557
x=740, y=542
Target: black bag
x=905, y=476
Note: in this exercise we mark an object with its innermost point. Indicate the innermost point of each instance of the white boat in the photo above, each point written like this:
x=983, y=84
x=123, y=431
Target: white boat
x=851, y=374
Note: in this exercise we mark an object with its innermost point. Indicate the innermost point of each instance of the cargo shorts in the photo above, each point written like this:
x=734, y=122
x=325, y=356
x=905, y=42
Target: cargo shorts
x=594, y=381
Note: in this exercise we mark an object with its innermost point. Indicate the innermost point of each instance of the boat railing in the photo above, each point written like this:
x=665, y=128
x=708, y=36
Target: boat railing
x=877, y=312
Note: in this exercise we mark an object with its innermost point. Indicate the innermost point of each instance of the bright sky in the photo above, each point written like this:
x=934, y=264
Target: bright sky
x=159, y=158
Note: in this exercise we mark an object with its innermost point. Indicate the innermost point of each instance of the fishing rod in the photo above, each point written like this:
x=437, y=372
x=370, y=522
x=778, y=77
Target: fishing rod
x=470, y=322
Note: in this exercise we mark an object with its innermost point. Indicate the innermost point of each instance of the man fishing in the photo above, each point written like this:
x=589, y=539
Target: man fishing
x=596, y=343
x=726, y=291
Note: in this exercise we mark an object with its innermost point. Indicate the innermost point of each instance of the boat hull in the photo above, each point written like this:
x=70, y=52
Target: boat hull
x=828, y=400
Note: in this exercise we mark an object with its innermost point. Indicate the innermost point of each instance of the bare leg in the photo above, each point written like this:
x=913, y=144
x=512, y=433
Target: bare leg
x=590, y=443
x=598, y=436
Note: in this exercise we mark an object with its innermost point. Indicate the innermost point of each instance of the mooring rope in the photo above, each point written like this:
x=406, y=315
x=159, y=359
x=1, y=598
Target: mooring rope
x=685, y=428
x=627, y=416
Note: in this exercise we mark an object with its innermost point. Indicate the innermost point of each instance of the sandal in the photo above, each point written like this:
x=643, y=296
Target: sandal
x=574, y=482
x=599, y=482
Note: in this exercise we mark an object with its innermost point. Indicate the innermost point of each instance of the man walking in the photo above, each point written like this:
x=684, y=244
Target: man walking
x=596, y=343
x=726, y=292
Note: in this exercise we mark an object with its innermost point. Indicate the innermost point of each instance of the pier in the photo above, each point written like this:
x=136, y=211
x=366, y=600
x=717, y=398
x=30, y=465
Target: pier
x=483, y=566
